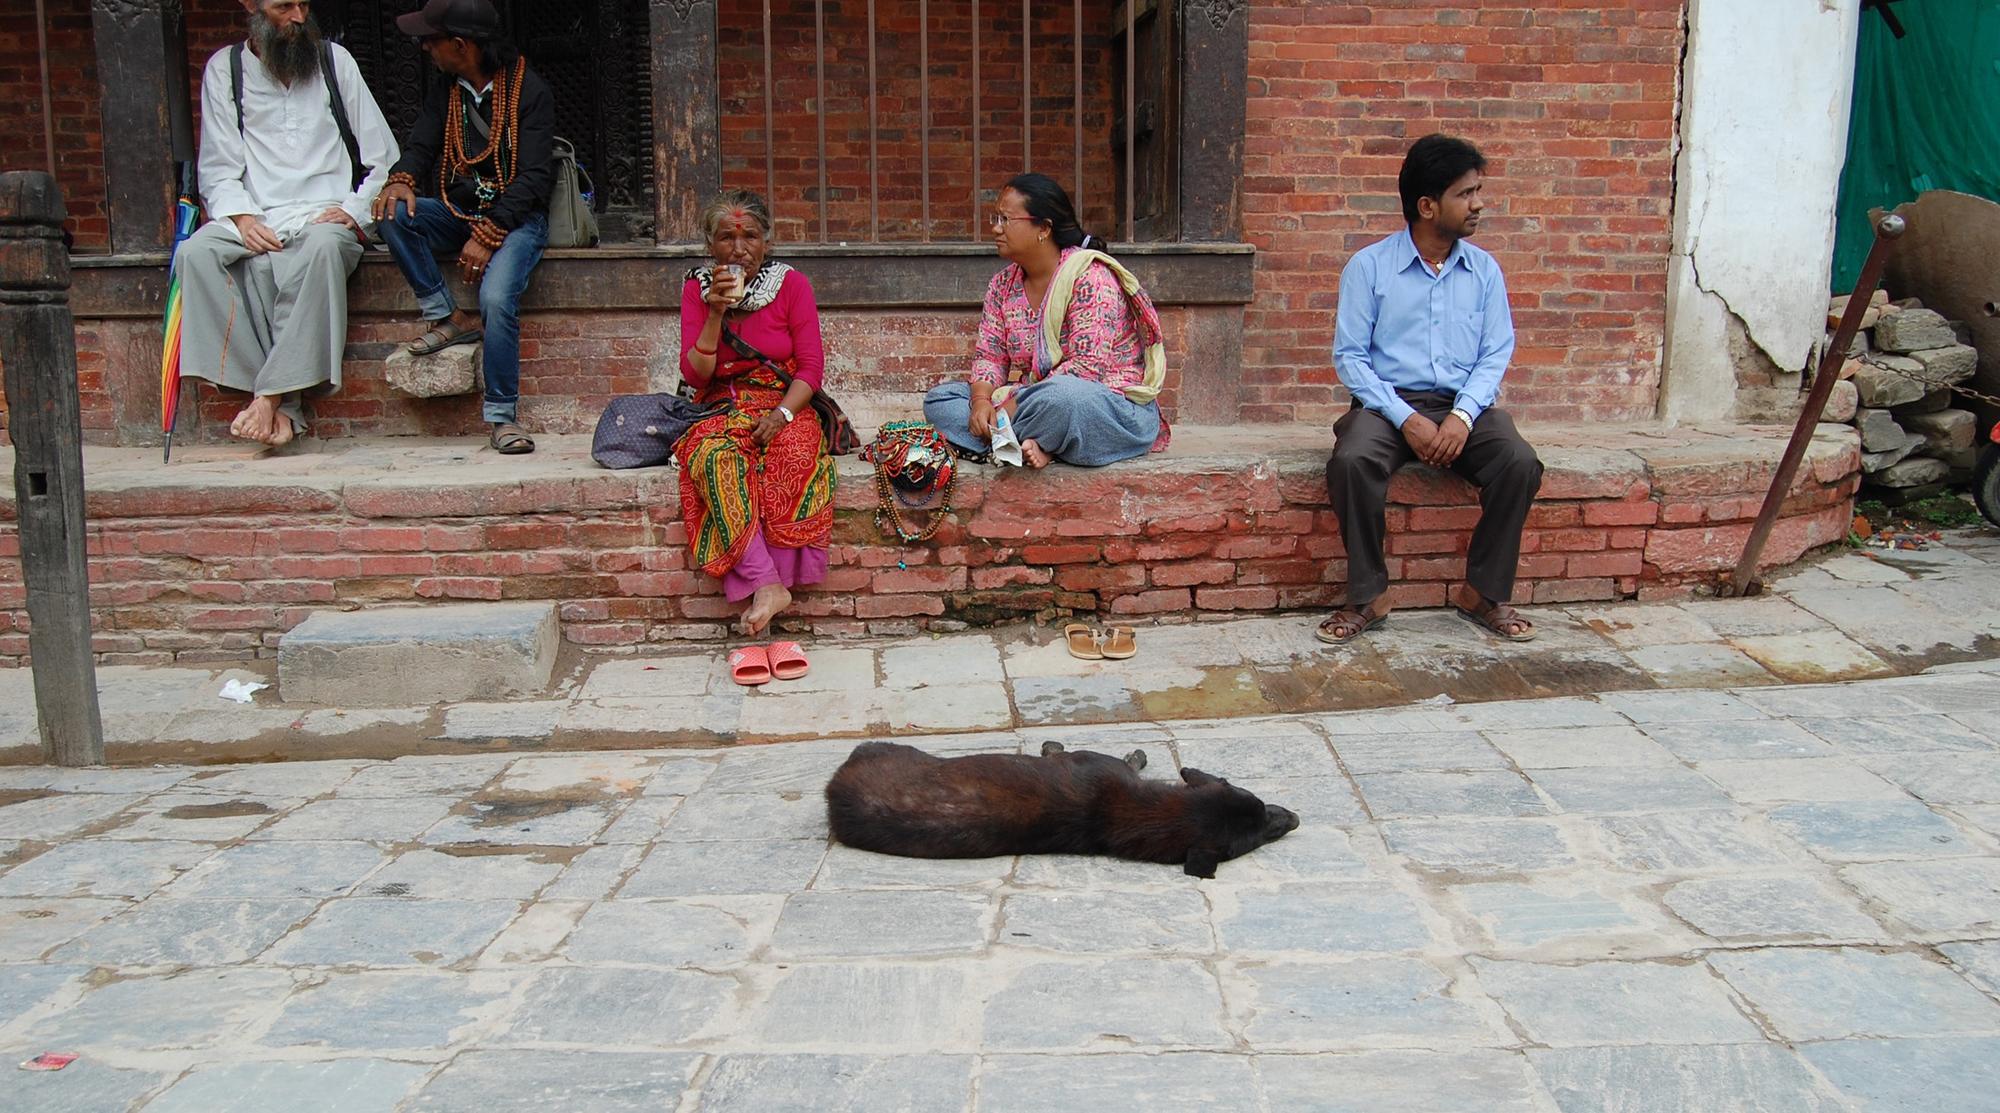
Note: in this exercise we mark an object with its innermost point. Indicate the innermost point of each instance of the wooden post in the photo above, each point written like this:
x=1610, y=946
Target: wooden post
x=142, y=81
x=687, y=115
x=38, y=350
x=1214, y=74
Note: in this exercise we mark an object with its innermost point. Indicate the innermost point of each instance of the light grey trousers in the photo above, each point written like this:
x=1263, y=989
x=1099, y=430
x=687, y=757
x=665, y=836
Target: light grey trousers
x=269, y=324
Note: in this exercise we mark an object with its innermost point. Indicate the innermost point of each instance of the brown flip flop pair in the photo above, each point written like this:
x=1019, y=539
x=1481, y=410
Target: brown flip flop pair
x=1090, y=644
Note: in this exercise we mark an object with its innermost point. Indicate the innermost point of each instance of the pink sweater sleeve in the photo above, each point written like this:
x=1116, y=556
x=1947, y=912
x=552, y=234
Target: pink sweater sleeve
x=801, y=313
x=694, y=315
x=989, y=353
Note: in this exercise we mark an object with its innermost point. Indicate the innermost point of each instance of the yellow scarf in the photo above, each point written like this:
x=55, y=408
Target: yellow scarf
x=1063, y=287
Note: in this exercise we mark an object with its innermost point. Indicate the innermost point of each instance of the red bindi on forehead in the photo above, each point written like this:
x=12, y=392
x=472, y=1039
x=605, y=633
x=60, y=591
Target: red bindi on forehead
x=739, y=222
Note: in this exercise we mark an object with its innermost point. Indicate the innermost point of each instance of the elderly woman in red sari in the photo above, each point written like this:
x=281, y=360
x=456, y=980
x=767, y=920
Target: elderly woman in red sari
x=756, y=481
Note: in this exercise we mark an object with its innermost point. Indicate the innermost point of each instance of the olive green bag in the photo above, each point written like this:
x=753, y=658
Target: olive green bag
x=571, y=221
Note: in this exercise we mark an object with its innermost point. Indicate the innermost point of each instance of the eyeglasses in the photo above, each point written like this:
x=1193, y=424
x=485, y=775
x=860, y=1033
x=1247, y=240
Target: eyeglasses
x=999, y=220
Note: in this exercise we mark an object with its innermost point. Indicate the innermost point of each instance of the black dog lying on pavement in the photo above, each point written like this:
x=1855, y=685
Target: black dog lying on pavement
x=896, y=799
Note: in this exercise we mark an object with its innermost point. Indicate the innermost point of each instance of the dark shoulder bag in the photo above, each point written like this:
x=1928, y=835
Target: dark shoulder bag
x=839, y=434
x=641, y=430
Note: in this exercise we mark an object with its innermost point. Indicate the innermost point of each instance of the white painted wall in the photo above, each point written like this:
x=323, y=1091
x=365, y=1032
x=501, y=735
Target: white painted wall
x=1765, y=92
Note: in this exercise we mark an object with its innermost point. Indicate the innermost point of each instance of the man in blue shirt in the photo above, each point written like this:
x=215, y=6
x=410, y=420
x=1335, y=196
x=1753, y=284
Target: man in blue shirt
x=1422, y=339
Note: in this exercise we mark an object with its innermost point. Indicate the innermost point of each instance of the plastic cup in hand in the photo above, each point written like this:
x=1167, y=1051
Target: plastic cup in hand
x=735, y=273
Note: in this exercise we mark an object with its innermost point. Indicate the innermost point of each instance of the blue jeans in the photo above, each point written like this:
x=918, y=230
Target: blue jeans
x=1075, y=421
x=416, y=238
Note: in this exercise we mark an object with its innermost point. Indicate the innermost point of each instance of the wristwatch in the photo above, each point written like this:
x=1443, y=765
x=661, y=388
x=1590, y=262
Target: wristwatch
x=1462, y=416
x=789, y=415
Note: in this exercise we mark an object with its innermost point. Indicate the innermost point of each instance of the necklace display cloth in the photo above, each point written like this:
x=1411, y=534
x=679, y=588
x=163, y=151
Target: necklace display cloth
x=913, y=467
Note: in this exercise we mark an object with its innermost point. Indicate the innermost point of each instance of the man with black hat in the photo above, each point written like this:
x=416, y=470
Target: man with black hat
x=482, y=149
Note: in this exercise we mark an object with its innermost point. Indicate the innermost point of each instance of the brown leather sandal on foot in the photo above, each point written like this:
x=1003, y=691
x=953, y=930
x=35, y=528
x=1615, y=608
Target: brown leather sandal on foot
x=509, y=439
x=1494, y=619
x=1355, y=623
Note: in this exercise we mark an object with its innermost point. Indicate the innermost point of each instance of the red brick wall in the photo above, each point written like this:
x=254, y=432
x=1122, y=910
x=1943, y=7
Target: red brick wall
x=1573, y=102
x=899, y=116
x=73, y=83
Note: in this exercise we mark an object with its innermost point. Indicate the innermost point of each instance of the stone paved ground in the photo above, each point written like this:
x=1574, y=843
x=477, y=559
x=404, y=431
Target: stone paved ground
x=1769, y=898
x=1858, y=614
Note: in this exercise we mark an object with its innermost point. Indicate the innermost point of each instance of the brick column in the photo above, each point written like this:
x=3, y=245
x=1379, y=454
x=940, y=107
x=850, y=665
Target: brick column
x=142, y=76
x=687, y=114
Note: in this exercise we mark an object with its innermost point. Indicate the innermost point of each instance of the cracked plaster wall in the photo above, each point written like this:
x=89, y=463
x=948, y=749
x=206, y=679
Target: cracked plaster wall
x=1765, y=92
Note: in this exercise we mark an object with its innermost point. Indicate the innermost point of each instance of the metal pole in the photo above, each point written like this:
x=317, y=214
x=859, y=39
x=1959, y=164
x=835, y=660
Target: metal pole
x=1744, y=580
x=38, y=349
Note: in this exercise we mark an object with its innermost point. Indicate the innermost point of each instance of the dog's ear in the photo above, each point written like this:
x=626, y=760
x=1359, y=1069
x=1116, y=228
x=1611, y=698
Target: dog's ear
x=1200, y=862
x=1198, y=778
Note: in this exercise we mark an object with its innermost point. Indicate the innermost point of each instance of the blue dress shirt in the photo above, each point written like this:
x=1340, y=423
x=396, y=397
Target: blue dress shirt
x=1402, y=327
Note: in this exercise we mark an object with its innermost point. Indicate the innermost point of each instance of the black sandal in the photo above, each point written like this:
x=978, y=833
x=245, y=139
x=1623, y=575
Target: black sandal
x=509, y=439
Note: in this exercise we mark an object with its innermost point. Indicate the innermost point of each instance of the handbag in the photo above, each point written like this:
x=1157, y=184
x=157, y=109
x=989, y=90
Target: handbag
x=836, y=431
x=913, y=464
x=571, y=221
x=640, y=430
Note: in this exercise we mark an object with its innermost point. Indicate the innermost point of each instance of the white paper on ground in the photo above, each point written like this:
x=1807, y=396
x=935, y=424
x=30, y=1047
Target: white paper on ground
x=240, y=691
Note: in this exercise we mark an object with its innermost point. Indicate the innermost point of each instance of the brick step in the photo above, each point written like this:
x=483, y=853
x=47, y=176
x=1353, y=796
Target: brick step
x=217, y=556
x=414, y=656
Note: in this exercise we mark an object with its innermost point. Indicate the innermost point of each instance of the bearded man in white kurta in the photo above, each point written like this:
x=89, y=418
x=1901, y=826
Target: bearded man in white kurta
x=264, y=282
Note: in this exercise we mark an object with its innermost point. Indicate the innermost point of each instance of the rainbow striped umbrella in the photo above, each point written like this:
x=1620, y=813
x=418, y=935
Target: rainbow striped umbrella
x=187, y=214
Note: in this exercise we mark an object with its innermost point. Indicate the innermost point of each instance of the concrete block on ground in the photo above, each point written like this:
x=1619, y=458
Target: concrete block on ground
x=1954, y=364
x=1930, y=403
x=1911, y=473
x=1886, y=382
x=1872, y=462
x=1880, y=432
x=1913, y=330
x=1943, y=431
x=409, y=656
x=455, y=370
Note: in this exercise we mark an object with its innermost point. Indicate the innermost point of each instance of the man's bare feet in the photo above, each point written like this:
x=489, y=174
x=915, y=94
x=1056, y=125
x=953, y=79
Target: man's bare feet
x=259, y=421
x=1033, y=454
x=282, y=430
x=765, y=605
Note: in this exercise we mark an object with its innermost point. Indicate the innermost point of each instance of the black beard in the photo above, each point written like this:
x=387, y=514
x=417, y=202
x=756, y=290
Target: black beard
x=289, y=56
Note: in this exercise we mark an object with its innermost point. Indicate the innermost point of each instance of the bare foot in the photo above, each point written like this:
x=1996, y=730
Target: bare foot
x=765, y=606
x=1033, y=454
x=257, y=422
x=282, y=430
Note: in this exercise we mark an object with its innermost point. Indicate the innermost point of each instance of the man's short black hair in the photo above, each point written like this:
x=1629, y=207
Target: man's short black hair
x=1434, y=162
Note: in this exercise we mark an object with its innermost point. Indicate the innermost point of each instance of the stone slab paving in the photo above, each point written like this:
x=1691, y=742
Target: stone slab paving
x=1850, y=615
x=1660, y=900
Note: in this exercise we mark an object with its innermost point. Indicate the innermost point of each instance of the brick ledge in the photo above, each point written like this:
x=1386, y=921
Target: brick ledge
x=215, y=556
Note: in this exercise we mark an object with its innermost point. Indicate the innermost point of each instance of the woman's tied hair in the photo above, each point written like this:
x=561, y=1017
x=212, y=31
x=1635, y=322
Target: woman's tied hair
x=1050, y=205
x=730, y=202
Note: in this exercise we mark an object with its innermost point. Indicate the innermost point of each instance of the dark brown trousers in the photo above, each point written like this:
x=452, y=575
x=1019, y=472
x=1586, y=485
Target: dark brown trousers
x=1367, y=450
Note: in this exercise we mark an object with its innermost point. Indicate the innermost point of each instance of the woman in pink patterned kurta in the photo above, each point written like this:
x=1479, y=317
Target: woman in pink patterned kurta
x=1078, y=408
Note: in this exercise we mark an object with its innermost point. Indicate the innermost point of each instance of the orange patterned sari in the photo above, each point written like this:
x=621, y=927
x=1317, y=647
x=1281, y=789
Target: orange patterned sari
x=729, y=486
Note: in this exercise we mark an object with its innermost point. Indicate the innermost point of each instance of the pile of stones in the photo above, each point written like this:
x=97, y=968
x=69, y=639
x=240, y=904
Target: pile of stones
x=1896, y=389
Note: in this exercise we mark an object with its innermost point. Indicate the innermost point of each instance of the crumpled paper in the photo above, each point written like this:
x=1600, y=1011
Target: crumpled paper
x=240, y=691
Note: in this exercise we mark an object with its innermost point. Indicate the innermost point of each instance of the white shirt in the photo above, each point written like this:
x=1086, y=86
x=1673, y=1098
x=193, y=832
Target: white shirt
x=288, y=163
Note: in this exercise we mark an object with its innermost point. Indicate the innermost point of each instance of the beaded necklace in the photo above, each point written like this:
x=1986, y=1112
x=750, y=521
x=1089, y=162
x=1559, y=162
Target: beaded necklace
x=503, y=148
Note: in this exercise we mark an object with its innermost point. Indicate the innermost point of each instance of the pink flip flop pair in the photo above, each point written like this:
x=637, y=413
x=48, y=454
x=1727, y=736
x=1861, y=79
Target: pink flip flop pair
x=760, y=664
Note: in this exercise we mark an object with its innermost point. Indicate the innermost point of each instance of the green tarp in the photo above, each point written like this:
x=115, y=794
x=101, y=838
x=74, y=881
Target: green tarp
x=1926, y=116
